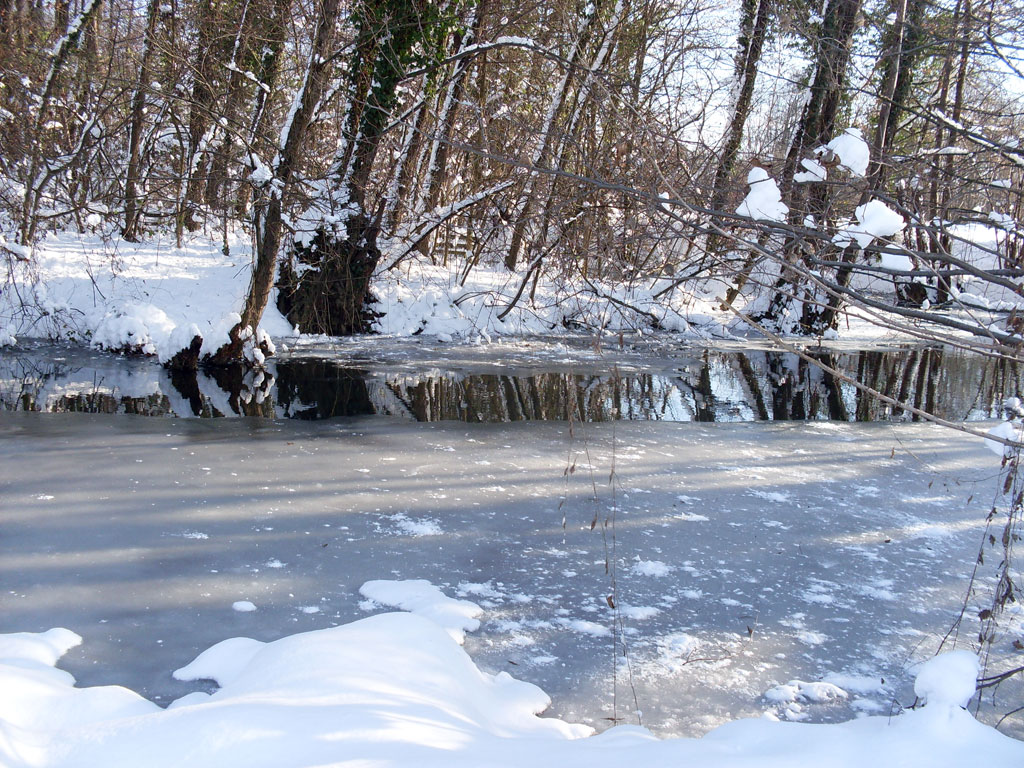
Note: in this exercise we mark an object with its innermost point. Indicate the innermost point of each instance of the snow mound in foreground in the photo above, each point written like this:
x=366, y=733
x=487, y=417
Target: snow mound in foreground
x=395, y=689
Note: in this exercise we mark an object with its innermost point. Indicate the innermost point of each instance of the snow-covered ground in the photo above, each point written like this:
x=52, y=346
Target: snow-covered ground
x=781, y=572
x=115, y=295
x=154, y=296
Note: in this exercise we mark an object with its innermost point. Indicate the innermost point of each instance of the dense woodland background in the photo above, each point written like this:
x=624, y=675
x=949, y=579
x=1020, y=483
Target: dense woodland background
x=608, y=140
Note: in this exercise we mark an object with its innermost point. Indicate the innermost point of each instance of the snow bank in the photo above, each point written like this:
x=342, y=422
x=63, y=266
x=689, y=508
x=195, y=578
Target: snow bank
x=150, y=298
x=419, y=298
x=948, y=680
x=395, y=689
x=422, y=598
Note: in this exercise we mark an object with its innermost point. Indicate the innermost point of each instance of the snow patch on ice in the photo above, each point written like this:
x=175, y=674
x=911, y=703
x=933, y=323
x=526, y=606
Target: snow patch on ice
x=412, y=527
x=655, y=568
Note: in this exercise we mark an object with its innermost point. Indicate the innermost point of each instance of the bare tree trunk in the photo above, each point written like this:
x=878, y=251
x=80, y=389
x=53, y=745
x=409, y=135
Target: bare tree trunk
x=816, y=127
x=36, y=179
x=61, y=17
x=408, y=162
x=229, y=128
x=200, y=115
x=754, y=27
x=439, y=148
x=272, y=33
x=543, y=150
x=269, y=216
x=332, y=296
x=899, y=57
x=131, y=191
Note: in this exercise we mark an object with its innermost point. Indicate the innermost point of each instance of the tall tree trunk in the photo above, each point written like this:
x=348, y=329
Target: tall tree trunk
x=229, y=128
x=200, y=114
x=816, y=128
x=331, y=297
x=135, y=126
x=36, y=178
x=817, y=123
x=272, y=33
x=547, y=134
x=753, y=29
x=899, y=56
x=439, y=147
x=268, y=216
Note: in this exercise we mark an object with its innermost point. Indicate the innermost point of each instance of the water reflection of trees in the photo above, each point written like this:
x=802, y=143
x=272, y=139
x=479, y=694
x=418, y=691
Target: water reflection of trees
x=708, y=386
x=32, y=383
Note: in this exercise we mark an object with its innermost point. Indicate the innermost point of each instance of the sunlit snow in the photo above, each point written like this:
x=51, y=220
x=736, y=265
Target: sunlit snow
x=396, y=689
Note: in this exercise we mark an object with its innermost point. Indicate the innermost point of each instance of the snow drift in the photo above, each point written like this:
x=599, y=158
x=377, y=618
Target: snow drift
x=396, y=689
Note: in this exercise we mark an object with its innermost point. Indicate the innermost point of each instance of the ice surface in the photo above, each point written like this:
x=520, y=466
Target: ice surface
x=858, y=572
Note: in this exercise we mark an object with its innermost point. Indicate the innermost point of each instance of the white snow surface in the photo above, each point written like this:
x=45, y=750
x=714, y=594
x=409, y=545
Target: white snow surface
x=1007, y=430
x=421, y=597
x=948, y=679
x=395, y=689
x=155, y=298
x=149, y=297
x=813, y=171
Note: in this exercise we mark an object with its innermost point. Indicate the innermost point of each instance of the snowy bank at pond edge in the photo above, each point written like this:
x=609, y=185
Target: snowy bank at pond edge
x=154, y=298
x=396, y=689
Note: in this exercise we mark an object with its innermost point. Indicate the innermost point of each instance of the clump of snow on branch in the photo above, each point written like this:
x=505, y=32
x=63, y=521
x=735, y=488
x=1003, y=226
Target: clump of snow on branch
x=764, y=200
x=1007, y=430
x=852, y=151
x=813, y=171
x=874, y=219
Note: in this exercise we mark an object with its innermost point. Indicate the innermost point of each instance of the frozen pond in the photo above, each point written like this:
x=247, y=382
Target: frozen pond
x=738, y=556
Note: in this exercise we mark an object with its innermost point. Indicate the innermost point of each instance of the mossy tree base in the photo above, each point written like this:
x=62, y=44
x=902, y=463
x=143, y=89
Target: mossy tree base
x=330, y=291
